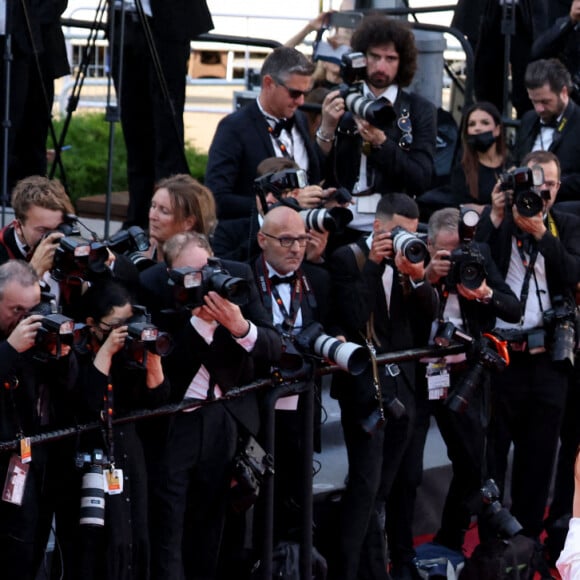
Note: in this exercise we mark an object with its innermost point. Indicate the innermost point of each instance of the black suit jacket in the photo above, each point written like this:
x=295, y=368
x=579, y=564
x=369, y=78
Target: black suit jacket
x=359, y=295
x=227, y=362
x=389, y=167
x=240, y=143
x=561, y=253
x=237, y=239
x=480, y=317
x=566, y=146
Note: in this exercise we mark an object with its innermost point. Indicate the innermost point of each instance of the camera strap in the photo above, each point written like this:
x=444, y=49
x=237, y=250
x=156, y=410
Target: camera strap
x=529, y=266
x=107, y=417
x=275, y=134
x=375, y=370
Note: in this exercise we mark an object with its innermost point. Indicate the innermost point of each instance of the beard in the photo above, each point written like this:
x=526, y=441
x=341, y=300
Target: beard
x=379, y=81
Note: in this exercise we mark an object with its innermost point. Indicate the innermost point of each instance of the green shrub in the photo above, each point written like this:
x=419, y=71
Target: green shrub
x=86, y=162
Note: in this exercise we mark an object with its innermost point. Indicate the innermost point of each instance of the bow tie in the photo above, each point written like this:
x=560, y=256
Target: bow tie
x=281, y=125
x=275, y=280
x=553, y=124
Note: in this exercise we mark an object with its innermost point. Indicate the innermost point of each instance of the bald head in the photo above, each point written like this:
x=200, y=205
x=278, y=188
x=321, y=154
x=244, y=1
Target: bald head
x=283, y=239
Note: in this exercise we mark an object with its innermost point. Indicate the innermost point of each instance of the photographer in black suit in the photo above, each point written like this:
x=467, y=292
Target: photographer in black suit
x=152, y=107
x=472, y=293
x=371, y=159
x=382, y=300
x=270, y=126
x=536, y=249
x=216, y=350
x=553, y=125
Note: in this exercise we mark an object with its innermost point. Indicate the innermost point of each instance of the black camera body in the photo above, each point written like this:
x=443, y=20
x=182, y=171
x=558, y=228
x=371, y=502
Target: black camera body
x=467, y=267
x=55, y=329
x=497, y=518
x=525, y=182
x=560, y=321
x=77, y=258
x=191, y=285
x=353, y=70
x=133, y=243
x=144, y=337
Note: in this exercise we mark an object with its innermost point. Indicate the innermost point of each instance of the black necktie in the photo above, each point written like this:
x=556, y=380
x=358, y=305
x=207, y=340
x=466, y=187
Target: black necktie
x=281, y=125
x=275, y=280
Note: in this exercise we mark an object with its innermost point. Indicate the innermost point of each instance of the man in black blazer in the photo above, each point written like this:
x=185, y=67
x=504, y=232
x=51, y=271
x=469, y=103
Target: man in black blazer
x=553, y=125
x=373, y=160
x=381, y=299
x=539, y=256
x=295, y=294
x=152, y=119
x=472, y=306
x=216, y=350
x=270, y=126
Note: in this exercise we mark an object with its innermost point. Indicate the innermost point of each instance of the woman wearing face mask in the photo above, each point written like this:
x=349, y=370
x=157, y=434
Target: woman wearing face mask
x=484, y=156
x=113, y=380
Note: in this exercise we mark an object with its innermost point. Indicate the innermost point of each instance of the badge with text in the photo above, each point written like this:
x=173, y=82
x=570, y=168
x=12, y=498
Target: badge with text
x=437, y=380
x=15, y=483
x=113, y=479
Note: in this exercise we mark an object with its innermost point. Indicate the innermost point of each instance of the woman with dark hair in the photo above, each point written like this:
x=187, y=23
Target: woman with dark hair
x=484, y=155
x=180, y=203
x=114, y=378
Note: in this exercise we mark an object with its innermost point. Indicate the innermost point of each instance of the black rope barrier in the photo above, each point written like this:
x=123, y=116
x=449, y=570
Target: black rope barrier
x=190, y=403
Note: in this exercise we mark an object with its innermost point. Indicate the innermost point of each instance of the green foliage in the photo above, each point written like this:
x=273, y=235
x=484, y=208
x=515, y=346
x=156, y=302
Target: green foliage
x=86, y=162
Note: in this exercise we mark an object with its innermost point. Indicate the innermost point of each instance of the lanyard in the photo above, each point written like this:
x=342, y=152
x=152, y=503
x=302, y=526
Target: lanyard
x=281, y=145
x=108, y=420
x=529, y=266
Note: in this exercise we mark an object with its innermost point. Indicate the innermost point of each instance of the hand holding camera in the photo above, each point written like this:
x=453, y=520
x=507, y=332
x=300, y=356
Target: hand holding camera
x=23, y=337
x=224, y=312
x=415, y=270
x=381, y=247
x=533, y=225
x=43, y=256
x=439, y=266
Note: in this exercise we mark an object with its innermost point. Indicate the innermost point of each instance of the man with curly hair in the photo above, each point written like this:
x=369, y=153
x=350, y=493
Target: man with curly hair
x=374, y=159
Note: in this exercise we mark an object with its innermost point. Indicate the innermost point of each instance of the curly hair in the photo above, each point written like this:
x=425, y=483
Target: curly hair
x=376, y=29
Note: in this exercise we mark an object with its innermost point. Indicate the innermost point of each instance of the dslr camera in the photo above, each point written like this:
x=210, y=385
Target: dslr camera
x=77, y=258
x=378, y=112
x=467, y=262
x=133, y=243
x=525, y=183
x=409, y=244
x=498, y=519
x=318, y=219
x=486, y=353
x=191, y=285
x=312, y=340
x=144, y=337
x=560, y=321
x=55, y=329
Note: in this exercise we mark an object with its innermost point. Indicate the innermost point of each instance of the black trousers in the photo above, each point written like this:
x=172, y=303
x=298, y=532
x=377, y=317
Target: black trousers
x=189, y=494
x=373, y=463
x=528, y=400
x=153, y=136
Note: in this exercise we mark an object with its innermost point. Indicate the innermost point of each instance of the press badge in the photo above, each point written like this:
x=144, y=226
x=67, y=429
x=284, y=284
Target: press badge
x=113, y=480
x=437, y=380
x=15, y=480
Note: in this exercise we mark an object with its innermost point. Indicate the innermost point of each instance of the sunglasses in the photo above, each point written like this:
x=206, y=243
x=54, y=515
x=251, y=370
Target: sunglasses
x=404, y=124
x=294, y=93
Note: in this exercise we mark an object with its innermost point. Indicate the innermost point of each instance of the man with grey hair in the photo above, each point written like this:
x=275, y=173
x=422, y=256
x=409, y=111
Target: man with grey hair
x=28, y=400
x=270, y=126
x=554, y=124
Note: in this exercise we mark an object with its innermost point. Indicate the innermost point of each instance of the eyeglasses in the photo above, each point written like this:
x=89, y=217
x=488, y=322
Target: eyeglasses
x=404, y=124
x=287, y=242
x=294, y=93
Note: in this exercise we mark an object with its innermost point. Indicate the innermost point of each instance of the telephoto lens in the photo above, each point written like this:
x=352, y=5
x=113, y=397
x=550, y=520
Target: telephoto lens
x=93, y=497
